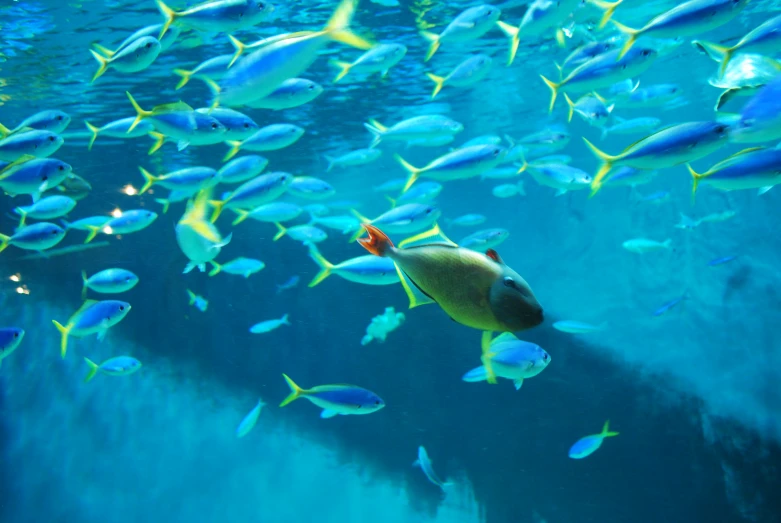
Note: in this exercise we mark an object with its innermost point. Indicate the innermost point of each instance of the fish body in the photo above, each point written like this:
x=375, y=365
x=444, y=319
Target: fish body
x=94, y=317
x=110, y=281
x=10, y=339
x=240, y=266
x=335, y=400
x=311, y=188
x=561, y=177
x=366, y=270
x=666, y=148
x=764, y=39
x=511, y=359
x=378, y=59
x=508, y=190
x=211, y=69
x=417, y=128
x=424, y=462
x=753, y=168
x=591, y=108
x=189, y=179
x=643, y=125
x=484, y=239
x=40, y=144
x=47, y=208
x=117, y=366
x=87, y=224
x=306, y=234
x=199, y=302
x=293, y=92
x=36, y=237
x=345, y=224
x=51, y=120
x=272, y=212
x=721, y=261
x=468, y=72
x=242, y=168
x=576, y=327
x=587, y=445
x=657, y=95
x=174, y=120
x=468, y=220
x=196, y=236
x=459, y=164
x=251, y=194
x=33, y=176
x=269, y=325
x=407, y=218
x=760, y=118
x=669, y=305
x=151, y=30
x=644, y=245
x=270, y=138
x=120, y=129
x=542, y=16
x=421, y=192
x=475, y=289
x=470, y=24
x=249, y=421
x=353, y=158
x=217, y=15
x=135, y=57
x=128, y=222
x=291, y=283
x=238, y=126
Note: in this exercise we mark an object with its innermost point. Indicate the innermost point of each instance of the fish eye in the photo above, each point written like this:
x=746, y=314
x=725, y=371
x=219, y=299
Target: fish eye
x=16, y=334
x=509, y=282
x=59, y=118
x=376, y=402
x=246, y=125
x=545, y=357
x=121, y=307
x=148, y=45
x=214, y=126
x=646, y=52
x=496, y=152
x=311, y=87
x=61, y=168
x=51, y=138
x=44, y=178
x=54, y=231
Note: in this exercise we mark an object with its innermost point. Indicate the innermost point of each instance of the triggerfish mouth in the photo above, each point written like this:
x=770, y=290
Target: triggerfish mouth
x=475, y=289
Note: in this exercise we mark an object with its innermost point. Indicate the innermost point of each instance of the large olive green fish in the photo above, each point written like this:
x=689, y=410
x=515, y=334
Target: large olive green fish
x=475, y=289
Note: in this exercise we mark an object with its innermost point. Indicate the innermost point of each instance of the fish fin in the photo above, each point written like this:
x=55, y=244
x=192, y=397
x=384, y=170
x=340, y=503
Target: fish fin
x=93, y=370
x=725, y=97
x=560, y=192
x=4, y=241
x=377, y=130
x=435, y=232
x=344, y=68
x=328, y=413
x=84, y=285
x=392, y=201
x=377, y=125
x=330, y=161
x=514, y=34
x=218, y=207
x=377, y=243
x=607, y=165
x=94, y=130
x=413, y=171
x=149, y=178
x=554, y=87
x=285, y=319
x=169, y=14
x=140, y=113
x=235, y=146
x=103, y=61
x=64, y=331
x=4, y=131
x=696, y=177
x=338, y=26
x=165, y=203
x=243, y=215
x=716, y=52
x=763, y=190
x=192, y=296
x=475, y=375
x=219, y=245
x=434, y=41
x=439, y=81
x=560, y=38
x=281, y=231
x=504, y=337
x=105, y=51
x=494, y=256
x=518, y=383
x=159, y=141
x=217, y=268
x=571, y=105
x=185, y=74
x=606, y=433
x=325, y=266
x=414, y=293
x=295, y=391
x=485, y=358
x=607, y=7
x=102, y=334
x=93, y=231
x=416, y=463
x=631, y=34
x=239, y=46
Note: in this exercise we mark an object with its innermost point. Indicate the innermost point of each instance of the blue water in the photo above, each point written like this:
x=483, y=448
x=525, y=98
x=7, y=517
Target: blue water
x=693, y=392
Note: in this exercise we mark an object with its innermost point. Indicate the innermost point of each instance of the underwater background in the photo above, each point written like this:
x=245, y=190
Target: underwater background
x=694, y=392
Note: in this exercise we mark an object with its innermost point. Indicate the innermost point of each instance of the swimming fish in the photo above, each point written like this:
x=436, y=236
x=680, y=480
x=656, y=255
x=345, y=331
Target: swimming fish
x=577, y=327
x=424, y=462
x=196, y=236
x=760, y=118
x=587, y=445
x=311, y=188
x=336, y=399
x=293, y=92
x=378, y=59
x=10, y=338
x=470, y=24
x=381, y=325
x=38, y=144
x=468, y=72
x=512, y=359
x=458, y=164
x=51, y=120
x=249, y=421
x=484, y=239
x=242, y=168
x=137, y=56
x=291, y=283
x=117, y=366
x=240, y=266
x=669, y=305
x=216, y=15
x=368, y=270
x=764, y=39
x=644, y=245
x=272, y=212
x=269, y=138
x=46, y=209
x=33, y=176
x=353, y=158
x=199, y=302
x=36, y=237
x=407, y=218
x=417, y=128
x=540, y=17
x=108, y=281
x=754, y=168
x=94, y=317
x=129, y=221
x=255, y=192
x=269, y=325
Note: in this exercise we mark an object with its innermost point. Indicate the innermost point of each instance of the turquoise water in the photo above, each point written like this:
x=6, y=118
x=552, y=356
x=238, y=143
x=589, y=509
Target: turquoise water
x=693, y=392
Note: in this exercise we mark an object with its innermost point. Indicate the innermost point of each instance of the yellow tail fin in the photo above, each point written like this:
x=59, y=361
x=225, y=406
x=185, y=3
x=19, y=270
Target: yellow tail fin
x=64, y=331
x=571, y=105
x=93, y=370
x=140, y=113
x=282, y=231
x=235, y=147
x=94, y=130
x=606, y=431
x=338, y=27
x=103, y=61
x=159, y=141
x=325, y=266
x=84, y=285
x=243, y=215
x=169, y=14
x=295, y=391
x=186, y=75
x=4, y=242
x=240, y=48
x=413, y=171
x=192, y=296
x=632, y=35
x=165, y=203
x=216, y=270
x=515, y=39
x=108, y=53
x=720, y=53
x=149, y=178
x=607, y=164
x=4, y=131
x=218, y=207
x=434, y=39
x=344, y=68
x=608, y=8
x=93, y=231
x=696, y=178
x=554, y=87
x=439, y=81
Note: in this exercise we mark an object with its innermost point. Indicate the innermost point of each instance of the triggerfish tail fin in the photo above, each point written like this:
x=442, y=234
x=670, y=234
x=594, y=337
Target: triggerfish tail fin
x=607, y=164
x=186, y=75
x=103, y=61
x=571, y=108
x=169, y=14
x=413, y=171
x=344, y=68
x=631, y=37
x=64, y=331
x=93, y=369
x=325, y=266
x=149, y=180
x=434, y=41
x=140, y=113
x=377, y=243
x=696, y=177
x=608, y=9
x=439, y=81
x=94, y=130
x=338, y=27
x=554, y=87
x=514, y=34
x=606, y=433
x=485, y=358
x=295, y=391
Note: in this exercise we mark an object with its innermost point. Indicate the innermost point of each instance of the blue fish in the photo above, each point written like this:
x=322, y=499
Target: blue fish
x=52, y=120
x=242, y=168
x=721, y=261
x=94, y=317
x=37, y=237
x=249, y=421
x=109, y=281
x=669, y=305
x=39, y=144
x=10, y=338
x=117, y=366
x=760, y=119
x=587, y=445
x=199, y=302
x=336, y=399
x=424, y=462
x=289, y=284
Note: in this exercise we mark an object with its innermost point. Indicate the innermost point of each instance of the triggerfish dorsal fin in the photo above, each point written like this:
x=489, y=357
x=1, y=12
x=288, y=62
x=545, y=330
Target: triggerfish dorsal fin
x=416, y=296
x=434, y=235
x=494, y=256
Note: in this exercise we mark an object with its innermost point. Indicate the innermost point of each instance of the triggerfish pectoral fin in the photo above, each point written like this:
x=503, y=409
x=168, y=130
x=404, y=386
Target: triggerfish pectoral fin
x=485, y=345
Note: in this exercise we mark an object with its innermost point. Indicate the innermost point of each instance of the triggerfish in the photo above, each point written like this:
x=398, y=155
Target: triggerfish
x=336, y=399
